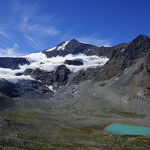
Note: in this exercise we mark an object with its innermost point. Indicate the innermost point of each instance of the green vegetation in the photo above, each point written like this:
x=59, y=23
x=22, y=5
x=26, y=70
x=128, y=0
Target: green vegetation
x=127, y=114
x=38, y=131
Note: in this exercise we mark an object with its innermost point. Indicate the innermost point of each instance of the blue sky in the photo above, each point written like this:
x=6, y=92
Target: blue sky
x=33, y=25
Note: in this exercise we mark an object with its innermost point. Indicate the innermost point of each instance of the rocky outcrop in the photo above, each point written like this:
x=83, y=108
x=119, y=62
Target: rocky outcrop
x=12, y=63
x=8, y=88
x=100, y=51
x=82, y=75
x=58, y=78
x=146, y=62
x=61, y=75
x=30, y=86
x=38, y=74
x=74, y=62
x=142, y=74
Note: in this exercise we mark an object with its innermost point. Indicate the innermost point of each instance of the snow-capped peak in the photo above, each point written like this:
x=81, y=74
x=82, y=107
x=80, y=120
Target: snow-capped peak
x=61, y=47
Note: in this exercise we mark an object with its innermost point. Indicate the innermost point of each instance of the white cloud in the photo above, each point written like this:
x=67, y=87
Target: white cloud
x=12, y=51
x=95, y=41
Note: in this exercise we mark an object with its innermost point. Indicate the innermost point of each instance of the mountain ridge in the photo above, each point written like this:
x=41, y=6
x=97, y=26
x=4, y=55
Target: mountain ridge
x=73, y=62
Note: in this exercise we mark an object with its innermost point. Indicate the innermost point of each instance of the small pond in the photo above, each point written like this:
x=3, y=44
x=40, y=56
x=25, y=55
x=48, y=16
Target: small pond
x=123, y=129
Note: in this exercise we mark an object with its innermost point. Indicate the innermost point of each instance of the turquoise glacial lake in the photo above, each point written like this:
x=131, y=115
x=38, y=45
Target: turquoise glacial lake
x=123, y=129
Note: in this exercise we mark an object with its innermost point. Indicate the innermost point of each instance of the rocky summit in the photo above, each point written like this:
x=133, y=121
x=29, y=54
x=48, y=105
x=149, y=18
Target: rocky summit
x=63, y=97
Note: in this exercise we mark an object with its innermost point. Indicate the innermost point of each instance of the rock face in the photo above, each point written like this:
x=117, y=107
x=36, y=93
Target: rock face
x=124, y=57
x=58, y=78
x=38, y=74
x=61, y=75
x=146, y=62
x=74, y=62
x=83, y=75
x=30, y=87
x=142, y=74
x=12, y=63
x=8, y=88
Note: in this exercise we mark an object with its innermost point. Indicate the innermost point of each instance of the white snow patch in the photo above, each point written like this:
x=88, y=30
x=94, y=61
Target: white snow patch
x=117, y=78
x=123, y=50
x=62, y=47
x=50, y=87
x=9, y=74
x=39, y=60
x=51, y=49
x=35, y=56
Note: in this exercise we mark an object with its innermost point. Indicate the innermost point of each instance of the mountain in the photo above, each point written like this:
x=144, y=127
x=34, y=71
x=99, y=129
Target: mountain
x=75, y=47
x=72, y=88
x=73, y=62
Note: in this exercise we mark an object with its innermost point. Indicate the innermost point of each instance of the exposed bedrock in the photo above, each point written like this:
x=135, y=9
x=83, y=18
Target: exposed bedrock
x=75, y=62
x=59, y=77
x=12, y=63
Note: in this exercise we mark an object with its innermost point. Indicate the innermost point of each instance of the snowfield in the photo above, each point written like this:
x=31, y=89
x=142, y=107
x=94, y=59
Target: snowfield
x=9, y=75
x=39, y=60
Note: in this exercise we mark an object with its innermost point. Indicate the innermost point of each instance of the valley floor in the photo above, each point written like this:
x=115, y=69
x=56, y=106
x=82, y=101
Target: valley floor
x=53, y=131
x=74, y=119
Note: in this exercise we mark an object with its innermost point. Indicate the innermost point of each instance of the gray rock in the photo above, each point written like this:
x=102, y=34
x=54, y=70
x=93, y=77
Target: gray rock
x=61, y=75
x=74, y=62
x=12, y=63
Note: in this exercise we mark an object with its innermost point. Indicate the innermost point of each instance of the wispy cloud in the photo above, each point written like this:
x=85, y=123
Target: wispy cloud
x=41, y=29
x=27, y=26
x=35, y=33
x=3, y=33
x=34, y=26
x=33, y=41
x=95, y=41
x=11, y=51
